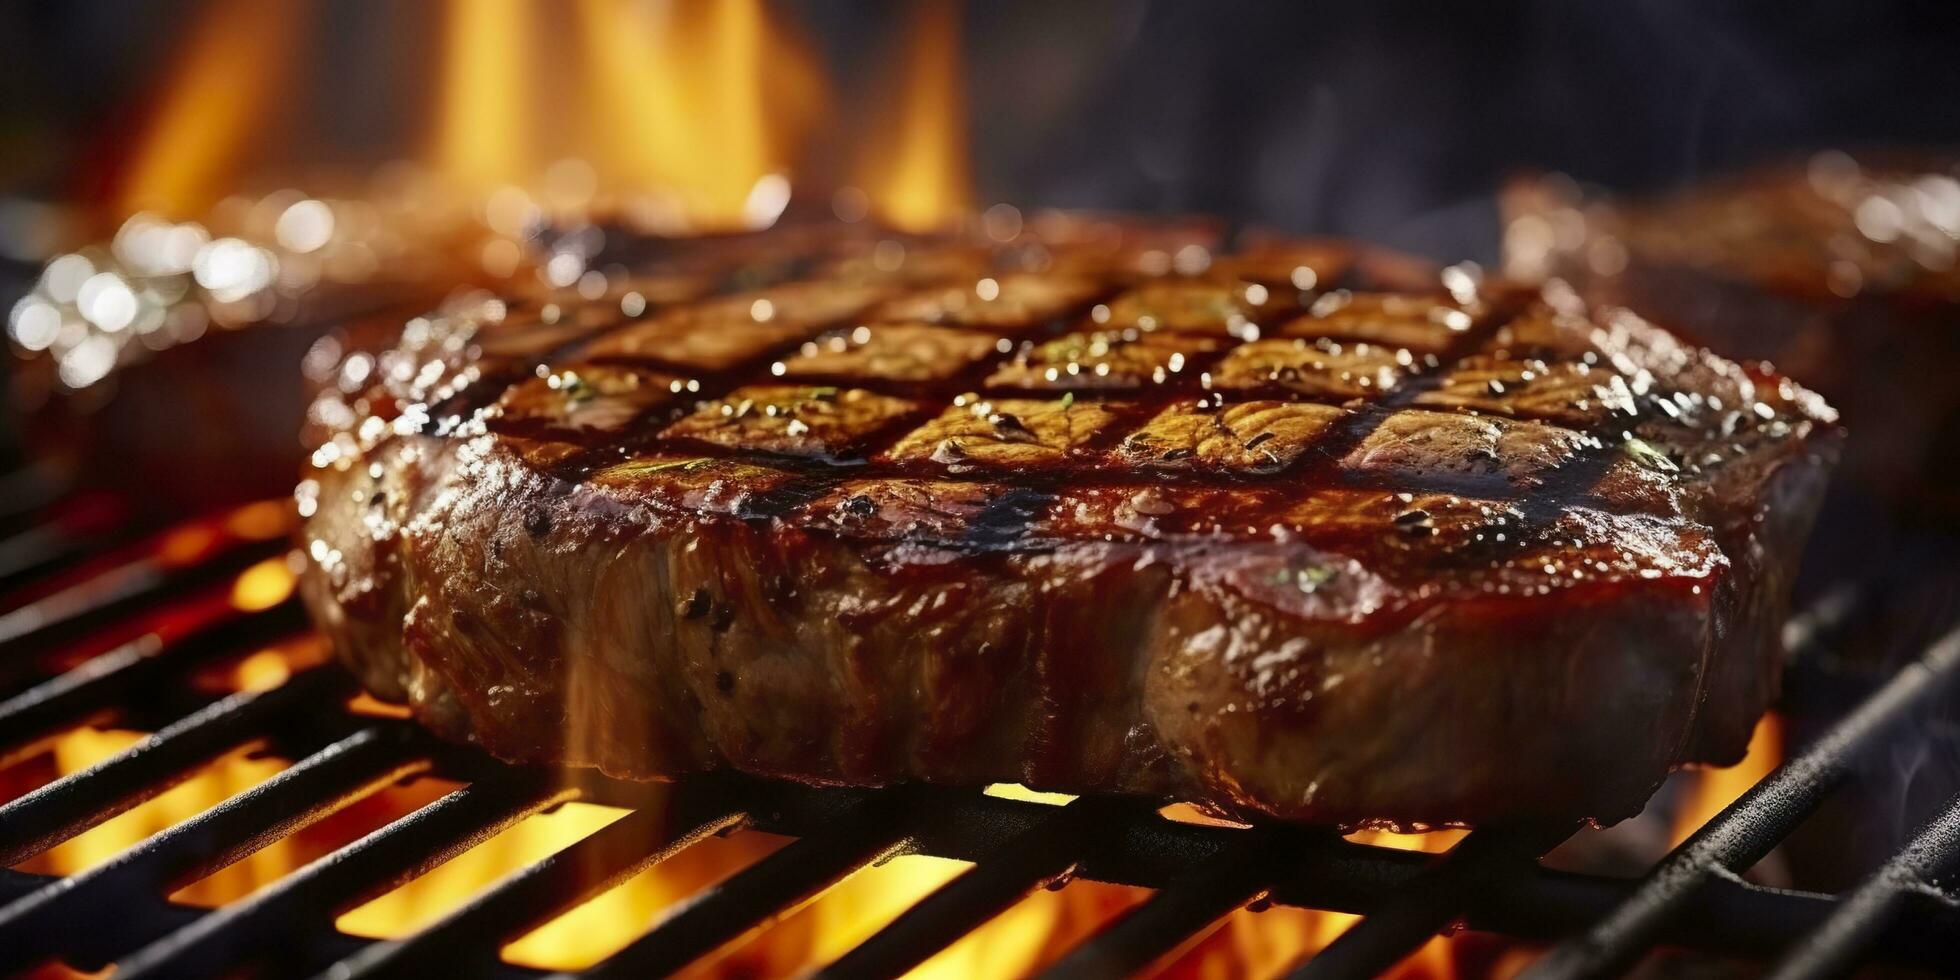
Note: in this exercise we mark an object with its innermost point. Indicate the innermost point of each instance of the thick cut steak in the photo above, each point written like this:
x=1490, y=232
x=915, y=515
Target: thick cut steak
x=1236, y=529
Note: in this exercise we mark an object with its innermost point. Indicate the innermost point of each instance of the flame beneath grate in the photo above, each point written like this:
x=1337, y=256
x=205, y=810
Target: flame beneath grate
x=1030, y=935
x=1710, y=791
x=581, y=937
x=230, y=775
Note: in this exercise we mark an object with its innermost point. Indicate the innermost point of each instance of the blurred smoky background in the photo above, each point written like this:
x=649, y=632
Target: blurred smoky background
x=1391, y=121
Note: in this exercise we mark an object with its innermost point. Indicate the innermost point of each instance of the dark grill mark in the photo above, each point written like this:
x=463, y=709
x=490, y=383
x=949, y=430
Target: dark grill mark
x=1021, y=497
x=695, y=605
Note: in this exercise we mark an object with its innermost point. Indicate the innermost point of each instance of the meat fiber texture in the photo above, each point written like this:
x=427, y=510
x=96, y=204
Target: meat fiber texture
x=1102, y=514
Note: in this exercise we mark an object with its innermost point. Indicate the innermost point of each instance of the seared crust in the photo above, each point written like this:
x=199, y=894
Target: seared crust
x=1189, y=538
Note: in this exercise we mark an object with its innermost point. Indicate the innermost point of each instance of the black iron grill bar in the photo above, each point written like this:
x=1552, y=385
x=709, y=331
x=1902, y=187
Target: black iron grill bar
x=1536, y=903
x=1727, y=916
x=1860, y=920
x=81, y=800
x=1178, y=915
x=78, y=914
x=467, y=940
x=120, y=677
x=1429, y=903
x=69, y=614
x=41, y=550
x=149, y=917
x=1756, y=822
x=1043, y=855
x=284, y=919
x=865, y=832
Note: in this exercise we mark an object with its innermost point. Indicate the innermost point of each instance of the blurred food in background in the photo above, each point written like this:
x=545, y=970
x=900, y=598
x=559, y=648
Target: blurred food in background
x=1839, y=269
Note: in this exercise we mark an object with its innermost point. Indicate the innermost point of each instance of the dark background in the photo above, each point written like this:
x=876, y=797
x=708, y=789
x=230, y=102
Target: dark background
x=1393, y=121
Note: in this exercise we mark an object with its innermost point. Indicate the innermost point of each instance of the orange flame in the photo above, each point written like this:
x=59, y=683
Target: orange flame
x=231, y=774
x=480, y=125
x=692, y=114
x=581, y=937
x=1026, y=937
x=263, y=585
x=220, y=89
x=916, y=174
x=704, y=103
x=1712, y=790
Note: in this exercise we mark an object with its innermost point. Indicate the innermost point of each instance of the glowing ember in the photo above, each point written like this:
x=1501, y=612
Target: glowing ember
x=262, y=520
x=263, y=585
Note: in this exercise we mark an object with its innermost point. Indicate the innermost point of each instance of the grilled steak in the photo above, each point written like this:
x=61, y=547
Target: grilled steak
x=1229, y=529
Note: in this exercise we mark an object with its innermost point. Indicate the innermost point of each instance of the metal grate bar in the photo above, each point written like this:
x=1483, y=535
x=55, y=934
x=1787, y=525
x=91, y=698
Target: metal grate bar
x=1427, y=904
x=468, y=939
x=163, y=917
x=118, y=678
x=28, y=488
x=861, y=834
x=1861, y=918
x=82, y=907
x=1754, y=823
x=1726, y=916
x=1537, y=903
x=1043, y=855
x=1174, y=916
x=69, y=614
x=77, y=528
x=76, y=802
x=278, y=919
x=1201, y=872
x=96, y=599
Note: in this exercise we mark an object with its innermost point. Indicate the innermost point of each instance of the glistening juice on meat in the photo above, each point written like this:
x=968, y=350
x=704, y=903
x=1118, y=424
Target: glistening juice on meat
x=1252, y=530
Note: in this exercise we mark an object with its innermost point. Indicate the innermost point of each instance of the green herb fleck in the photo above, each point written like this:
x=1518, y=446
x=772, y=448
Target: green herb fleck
x=1307, y=579
x=644, y=468
x=577, y=390
x=1646, y=455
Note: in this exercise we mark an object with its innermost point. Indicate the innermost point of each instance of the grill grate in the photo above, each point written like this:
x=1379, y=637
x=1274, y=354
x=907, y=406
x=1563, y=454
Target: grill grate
x=1491, y=881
